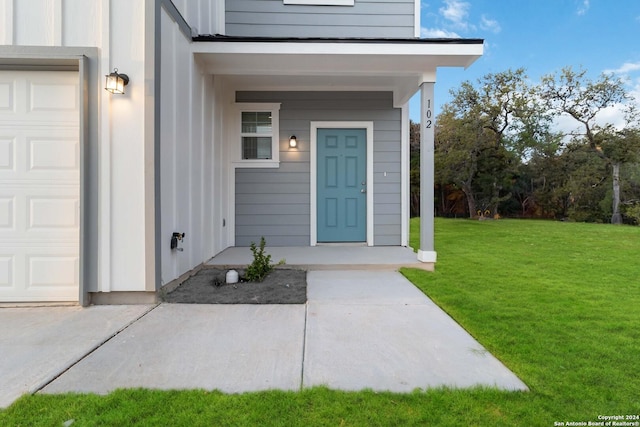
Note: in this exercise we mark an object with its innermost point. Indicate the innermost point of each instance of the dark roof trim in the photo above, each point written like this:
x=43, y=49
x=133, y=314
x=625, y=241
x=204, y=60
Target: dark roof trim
x=222, y=38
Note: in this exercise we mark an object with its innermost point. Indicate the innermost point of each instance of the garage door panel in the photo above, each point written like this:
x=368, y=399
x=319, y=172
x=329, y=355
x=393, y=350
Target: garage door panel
x=52, y=271
x=39, y=186
x=46, y=96
x=40, y=273
x=54, y=213
x=53, y=154
x=39, y=96
x=36, y=214
x=6, y=271
x=7, y=215
x=7, y=150
x=7, y=94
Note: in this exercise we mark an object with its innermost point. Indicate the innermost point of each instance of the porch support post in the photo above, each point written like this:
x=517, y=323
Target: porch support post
x=426, y=253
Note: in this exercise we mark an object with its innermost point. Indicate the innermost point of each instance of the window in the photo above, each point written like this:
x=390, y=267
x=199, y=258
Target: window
x=257, y=132
x=322, y=2
x=258, y=138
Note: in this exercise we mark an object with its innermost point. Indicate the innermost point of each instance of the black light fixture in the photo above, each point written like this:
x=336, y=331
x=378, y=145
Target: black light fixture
x=293, y=141
x=116, y=82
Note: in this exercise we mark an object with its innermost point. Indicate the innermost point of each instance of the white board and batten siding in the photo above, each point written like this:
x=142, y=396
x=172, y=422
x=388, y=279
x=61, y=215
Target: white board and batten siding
x=365, y=19
x=188, y=159
x=39, y=186
x=275, y=203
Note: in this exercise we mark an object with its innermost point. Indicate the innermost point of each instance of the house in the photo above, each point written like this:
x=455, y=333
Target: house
x=97, y=188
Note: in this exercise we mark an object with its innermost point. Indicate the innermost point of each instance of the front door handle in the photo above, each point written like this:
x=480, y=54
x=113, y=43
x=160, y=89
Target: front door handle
x=363, y=190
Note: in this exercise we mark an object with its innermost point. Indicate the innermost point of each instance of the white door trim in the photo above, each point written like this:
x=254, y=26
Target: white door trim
x=313, y=140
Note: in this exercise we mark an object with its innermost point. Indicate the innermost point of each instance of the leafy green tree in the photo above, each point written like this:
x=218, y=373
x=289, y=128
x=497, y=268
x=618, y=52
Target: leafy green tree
x=483, y=134
x=414, y=168
x=618, y=148
x=571, y=93
x=585, y=183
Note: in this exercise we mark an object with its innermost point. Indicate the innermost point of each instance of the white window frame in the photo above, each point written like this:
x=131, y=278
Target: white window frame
x=321, y=2
x=250, y=107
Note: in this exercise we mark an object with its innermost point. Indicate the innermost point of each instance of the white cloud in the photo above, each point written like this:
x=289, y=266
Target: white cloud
x=456, y=11
x=584, y=7
x=626, y=68
x=489, y=24
x=613, y=115
x=437, y=33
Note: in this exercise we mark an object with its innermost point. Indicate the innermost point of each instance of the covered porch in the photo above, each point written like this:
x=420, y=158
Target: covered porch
x=326, y=257
x=311, y=84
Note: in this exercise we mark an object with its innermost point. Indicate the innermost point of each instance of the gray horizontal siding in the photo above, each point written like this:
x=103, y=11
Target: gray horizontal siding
x=275, y=203
x=367, y=18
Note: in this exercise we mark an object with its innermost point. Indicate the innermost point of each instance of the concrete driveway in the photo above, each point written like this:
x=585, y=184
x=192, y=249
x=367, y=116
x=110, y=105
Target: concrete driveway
x=359, y=329
x=38, y=344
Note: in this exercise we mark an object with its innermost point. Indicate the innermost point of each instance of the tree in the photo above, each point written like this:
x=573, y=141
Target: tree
x=414, y=168
x=618, y=148
x=484, y=132
x=569, y=92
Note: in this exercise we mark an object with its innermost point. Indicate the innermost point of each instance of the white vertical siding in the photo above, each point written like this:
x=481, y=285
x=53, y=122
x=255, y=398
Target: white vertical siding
x=202, y=14
x=6, y=22
x=126, y=118
x=81, y=23
x=187, y=156
x=52, y=22
x=34, y=22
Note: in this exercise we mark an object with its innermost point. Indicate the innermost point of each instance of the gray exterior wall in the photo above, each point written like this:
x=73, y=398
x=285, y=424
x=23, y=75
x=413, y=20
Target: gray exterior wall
x=275, y=203
x=366, y=18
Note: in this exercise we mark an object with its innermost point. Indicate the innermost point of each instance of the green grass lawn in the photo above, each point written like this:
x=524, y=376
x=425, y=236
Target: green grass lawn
x=558, y=303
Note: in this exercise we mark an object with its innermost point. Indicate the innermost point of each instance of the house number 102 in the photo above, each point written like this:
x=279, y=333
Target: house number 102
x=428, y=122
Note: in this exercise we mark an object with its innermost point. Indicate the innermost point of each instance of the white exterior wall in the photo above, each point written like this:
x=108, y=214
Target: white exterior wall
x=123, y=31
x=204, y=16
x=189, y=162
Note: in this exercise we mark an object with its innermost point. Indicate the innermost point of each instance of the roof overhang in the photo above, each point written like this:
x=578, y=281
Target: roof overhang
x=395, y=65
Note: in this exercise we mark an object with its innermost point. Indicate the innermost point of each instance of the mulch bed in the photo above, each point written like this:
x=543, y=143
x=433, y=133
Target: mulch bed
x=208, y=286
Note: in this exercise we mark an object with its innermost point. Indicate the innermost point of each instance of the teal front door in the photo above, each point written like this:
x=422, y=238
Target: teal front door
x=342, y=186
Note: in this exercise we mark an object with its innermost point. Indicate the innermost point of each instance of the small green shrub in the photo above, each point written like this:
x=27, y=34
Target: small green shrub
x=261, y=265
x=633, y=212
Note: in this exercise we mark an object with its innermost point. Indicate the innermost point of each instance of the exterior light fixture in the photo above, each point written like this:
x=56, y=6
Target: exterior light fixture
x=293, y=141
x=116, y=82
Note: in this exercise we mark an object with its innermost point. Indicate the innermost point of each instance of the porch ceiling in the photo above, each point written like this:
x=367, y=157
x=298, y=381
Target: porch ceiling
x=381, y=65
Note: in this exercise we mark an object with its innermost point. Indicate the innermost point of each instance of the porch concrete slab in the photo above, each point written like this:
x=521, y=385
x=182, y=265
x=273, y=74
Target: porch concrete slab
x=39, y=343
x=326, y=257
x=232, y=348
x=362, y=287
x=370, y=341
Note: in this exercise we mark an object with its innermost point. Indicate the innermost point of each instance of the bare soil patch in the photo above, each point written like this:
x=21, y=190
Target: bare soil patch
x=208, y=286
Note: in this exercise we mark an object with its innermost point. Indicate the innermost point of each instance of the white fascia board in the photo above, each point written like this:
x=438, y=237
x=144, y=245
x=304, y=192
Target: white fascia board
x=311, y=48
x=338, y=59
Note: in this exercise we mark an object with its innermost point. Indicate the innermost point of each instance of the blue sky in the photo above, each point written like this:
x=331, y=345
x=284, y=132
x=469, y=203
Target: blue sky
x=540, y=35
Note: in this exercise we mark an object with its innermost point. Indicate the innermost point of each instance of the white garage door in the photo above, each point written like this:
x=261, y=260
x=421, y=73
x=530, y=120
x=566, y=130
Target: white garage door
x=39, y=186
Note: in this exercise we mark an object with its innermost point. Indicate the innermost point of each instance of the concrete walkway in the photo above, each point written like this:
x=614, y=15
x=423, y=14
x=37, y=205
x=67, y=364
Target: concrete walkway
x=359, y=329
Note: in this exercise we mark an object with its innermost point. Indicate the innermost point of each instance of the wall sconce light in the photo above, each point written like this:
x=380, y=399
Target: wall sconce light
x=293, y=141
x=116, y=82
